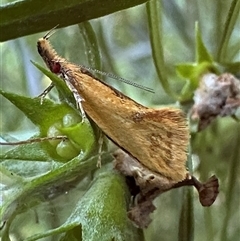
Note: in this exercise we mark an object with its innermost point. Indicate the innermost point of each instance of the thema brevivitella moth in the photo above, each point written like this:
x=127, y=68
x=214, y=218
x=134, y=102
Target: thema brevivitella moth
x=153, y=142
x=157, y=138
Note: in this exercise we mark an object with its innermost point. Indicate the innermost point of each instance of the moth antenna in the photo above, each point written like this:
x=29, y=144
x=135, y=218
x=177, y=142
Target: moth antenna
x=110, y=75
x=40, y=139
x=50, y=32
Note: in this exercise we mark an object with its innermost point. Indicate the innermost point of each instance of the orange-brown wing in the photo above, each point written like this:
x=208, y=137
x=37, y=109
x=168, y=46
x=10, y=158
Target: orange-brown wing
x=156, y=138
x=165, y=136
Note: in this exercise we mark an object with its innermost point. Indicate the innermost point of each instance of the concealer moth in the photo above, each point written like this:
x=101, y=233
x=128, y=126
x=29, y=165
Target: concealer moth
x=157, y=138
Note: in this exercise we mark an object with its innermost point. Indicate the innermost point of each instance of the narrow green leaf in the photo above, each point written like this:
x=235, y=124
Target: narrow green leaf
x=229, y=26
x=154, y=10
x=26, y=17
x=91, y=45
x=231, y=187
x=202, y=54
x=179, y=21
x=186, y=220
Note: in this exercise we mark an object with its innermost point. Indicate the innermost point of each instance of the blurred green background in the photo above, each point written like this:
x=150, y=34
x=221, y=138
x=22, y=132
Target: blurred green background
x=125, y=50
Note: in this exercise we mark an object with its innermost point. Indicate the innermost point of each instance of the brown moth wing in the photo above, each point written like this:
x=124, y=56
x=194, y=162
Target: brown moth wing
x=166, y=141
x=157, y=138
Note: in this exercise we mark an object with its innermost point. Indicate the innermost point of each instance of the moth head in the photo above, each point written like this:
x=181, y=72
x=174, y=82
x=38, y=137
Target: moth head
x=49, y=55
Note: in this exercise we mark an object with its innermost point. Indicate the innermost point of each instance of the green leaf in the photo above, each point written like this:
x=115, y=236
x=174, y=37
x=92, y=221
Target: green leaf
x=154, y=10
x=46, y=116
x=229, y=26
x=91, y=44
x=43, y=115
x=102, y=212
x=233, y=174
x=26, y=17
x=38, y=113
x=31, y=191
x=186, y=220
x=192, y=72
x=202, y=54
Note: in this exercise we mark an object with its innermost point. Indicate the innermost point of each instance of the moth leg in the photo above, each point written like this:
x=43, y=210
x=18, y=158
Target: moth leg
x=45, y=92
x=207, y=191
x=79, y=100
x=100, y=143
x=76, y=95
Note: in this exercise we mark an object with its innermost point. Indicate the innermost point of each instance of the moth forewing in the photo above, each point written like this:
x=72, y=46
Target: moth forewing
x=157, y=138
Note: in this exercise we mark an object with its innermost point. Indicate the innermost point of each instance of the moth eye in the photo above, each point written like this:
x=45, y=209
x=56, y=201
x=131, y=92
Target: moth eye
x=39, y=49
x=55, y=67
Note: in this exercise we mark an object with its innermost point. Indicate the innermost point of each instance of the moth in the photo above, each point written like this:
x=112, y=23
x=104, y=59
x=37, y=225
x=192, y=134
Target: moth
x=157, y=138
x=154, y=141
